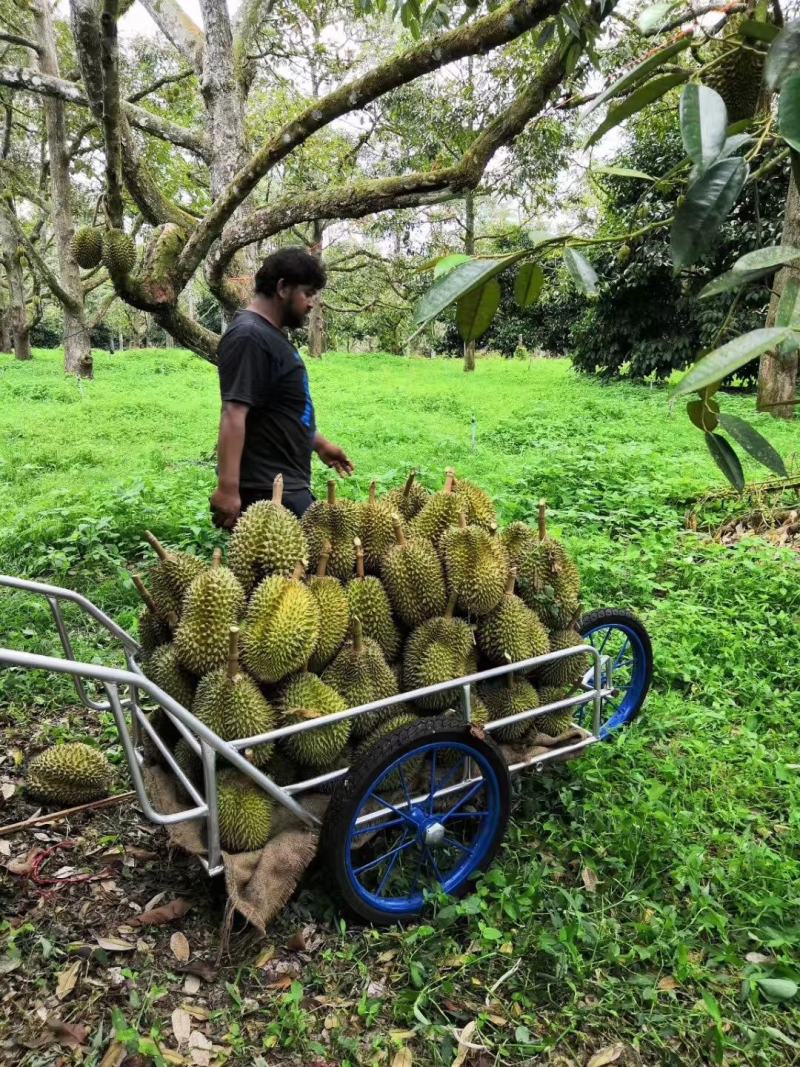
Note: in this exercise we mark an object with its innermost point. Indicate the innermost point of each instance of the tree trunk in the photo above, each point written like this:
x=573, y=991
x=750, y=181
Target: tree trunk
x=469, y=248
x=777, y=376
x=316, y=320
x=5, y=331
x=17, y=317
x=77, y=346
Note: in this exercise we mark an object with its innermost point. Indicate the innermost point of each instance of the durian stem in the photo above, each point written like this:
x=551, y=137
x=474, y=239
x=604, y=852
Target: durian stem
x=360, y=572
x=397, y=523
x=233, y=653
x=299, y=570
x=331, y=492
x=542, y=519
x=450, y=477
x=216, y=558
x=373, y=492
x=324, y=556
x=155, y=544
x=462, y=520
x=358, y=634
x=277, y=489
x=144, y=593
x=512, y=581
x=172, y=621
x=508, y=678
x=451, y=605
x=409, y=483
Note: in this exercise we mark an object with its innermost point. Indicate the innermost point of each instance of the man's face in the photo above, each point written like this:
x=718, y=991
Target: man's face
x=298, y=300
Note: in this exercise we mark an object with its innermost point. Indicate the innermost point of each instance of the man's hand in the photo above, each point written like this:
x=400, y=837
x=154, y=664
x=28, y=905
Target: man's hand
x=333, y=456
x=226, y=506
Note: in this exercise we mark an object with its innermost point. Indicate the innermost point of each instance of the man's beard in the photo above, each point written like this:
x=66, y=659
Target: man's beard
x=293, y=320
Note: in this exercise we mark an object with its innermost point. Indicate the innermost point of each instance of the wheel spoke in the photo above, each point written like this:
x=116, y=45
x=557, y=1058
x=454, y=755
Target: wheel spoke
x=433, y=783
x=406, y=793
x=605, y=640
x=403, y=814
x=387, y=855
x=376, y=827
x=418, y=871
x=437, y=873
x=451, y=775
x=464, y=800
x=388, y=872
x=456, y=844
x=467, y=815
x=621, y=653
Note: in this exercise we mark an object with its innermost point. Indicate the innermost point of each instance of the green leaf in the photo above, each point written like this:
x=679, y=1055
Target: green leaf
x=458, y=282
x=621, y=85
x=653, y=18
x=732, y=279
x=783, y=58
x=707, y=203
x=704, y=122
x=752, y=441
x=777, y=988
x=788, y=313
x=638, y=100
x=583, y=273
x=758, y=31
x=703, y=414
x=789, y=111
x=729, y=357
x=444, y=266
x=476, y=310
x=733, y=144
x=528, y=284
x=726, y=459
x=767, y=258
x=622, y=172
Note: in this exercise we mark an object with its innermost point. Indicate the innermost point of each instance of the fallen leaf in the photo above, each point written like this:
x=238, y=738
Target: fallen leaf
x=200, y=1049
x=609, y=1054
x=8, y=789
x=17, y=755
x=181, y=1026
x=201, y=968
x=23, y=864
x=5, y=848
x=297, y=942
x=191, y=984
x=282, y=983
x=196, y=1011
x=115, y=944
x=403, y=1058
x=9, y=964
x=166, y=913
x=758, y=957
x=115, y=1054
x=465, y=1043
x=67, y=979
x=73, y=1035
x=265, y=956
x=385, y=957
x=155, y=900
x=667, y=984
x=590, y=881
x=180, y=947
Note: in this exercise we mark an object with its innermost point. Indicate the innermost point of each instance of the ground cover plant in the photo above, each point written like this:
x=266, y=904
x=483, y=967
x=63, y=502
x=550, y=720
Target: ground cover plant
x=645, y=903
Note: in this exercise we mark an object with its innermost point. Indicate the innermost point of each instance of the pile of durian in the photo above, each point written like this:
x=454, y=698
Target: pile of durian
x=354, y=603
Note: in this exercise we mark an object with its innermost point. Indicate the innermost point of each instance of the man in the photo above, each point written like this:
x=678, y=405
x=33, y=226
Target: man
x=267, y=426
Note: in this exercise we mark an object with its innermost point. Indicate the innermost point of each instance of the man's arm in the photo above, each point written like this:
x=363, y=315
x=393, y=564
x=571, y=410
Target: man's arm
x=333, y=456
x=225, y=501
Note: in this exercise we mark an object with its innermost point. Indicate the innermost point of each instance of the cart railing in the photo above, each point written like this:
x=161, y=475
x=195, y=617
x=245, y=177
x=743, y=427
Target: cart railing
x=123, y=689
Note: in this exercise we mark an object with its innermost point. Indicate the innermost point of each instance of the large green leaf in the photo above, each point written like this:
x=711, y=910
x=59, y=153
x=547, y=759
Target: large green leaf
x=458, y=282
x=758, y=31
x=729, y=357
x=528, y=284
x=732, y=279
x=638, y=100
x=653, y=18
x=703, y=413
x=583, y=273
x=444, y=266
x=767, y=258
x=726, y=459
x=783, y=58
x=789, y=111
x=707, y=203
x=704, y=123
x=633, y=77
x=734, y=143
x=752, y=441
x=788, y=306
x=476, y=310
x=622, y=172
x=778, y=988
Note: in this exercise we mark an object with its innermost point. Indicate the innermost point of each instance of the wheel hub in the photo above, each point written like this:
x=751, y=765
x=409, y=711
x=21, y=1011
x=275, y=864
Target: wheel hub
x=433, y=834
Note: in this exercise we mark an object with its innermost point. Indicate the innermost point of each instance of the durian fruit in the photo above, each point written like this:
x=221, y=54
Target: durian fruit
x=268, y=539
x=154, y=630
x=479, y=716
x=334, y=613
x=245, y=812
x=341, y=763
x=232, y=705
x=555, y=722
x=119, y=252
x=87, y=247
x=736, y=73
x=512, y=632
x=281, y=769
x=413, y=578
x=476, y=567
x=304, y=698
x=376, y=530
x=213, y=603
x=477, y=504
x=517, y=538
x=409, y=500
x=565, y=672
x=368, y=600
x=509, y=696
x=443, y=509
x=171, y=576
x=166, y=730
x=411, y=768
x=361, y=675
x=188, y=761
x=439, y=650
x=335, y=521
x=281, y=628
x=69, y=774
x=548, y=580
x=164, y=668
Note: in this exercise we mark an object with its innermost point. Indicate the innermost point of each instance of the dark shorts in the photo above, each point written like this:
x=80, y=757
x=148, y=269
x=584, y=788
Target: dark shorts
x=298, y=502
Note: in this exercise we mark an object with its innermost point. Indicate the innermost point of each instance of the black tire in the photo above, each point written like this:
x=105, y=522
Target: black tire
x=643, y=650
x=354, y=789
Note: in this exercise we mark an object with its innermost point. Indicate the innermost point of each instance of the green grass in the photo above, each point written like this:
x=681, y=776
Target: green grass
x=690, y=820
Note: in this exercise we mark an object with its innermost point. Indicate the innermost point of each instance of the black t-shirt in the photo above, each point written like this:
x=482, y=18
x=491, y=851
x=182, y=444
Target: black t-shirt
x=259, y=366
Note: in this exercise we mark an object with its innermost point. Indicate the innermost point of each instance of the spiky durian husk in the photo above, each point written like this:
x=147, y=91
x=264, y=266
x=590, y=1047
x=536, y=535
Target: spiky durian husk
x=164, y=668
x=170, y=579
x=737, y=72
x=234, y=707
x=213, y=603
x=414, y=581
x=281, y=629
x=438, y=650
x=504, y=698
x=361, y=676
x=87, y=247
x=305, y=697
x=376, y=531
x=268, y=539
x=369, y=602
x=334, y=616
x=476, y=566
x=281, y=769
x=476, y=503
x=188, y=761
x=153, y=631
x=565, y=672
x=440, y=512
x=511, y=633
x=69, y=774
x=119, y=252
x=411, y=768
x=408, y=500
x=555, y=722
x=336, y=522
x=245, y=812
x=549, y=583
x=517, y=538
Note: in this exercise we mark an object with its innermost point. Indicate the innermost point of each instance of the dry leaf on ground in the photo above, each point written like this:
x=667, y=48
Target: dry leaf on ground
x=73, y=1035
x=67, y=979
x=610, y=1054
x=202, y=968
x=403, y=1058
x=166, y=913
x=180, y=947
x=667, y=983
x=181, y=1026
x=115, y=944
x=590, y=879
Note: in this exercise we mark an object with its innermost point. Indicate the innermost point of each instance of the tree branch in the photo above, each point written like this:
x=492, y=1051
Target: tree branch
x=51, y=280
x=501, y=26
x=168, y=79
x=179, y=29
x=23, y=42
x=111, y=116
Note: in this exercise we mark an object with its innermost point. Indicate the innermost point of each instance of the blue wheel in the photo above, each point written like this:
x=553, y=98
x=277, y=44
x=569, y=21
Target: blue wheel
x=425, y=810
x=625, y=645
